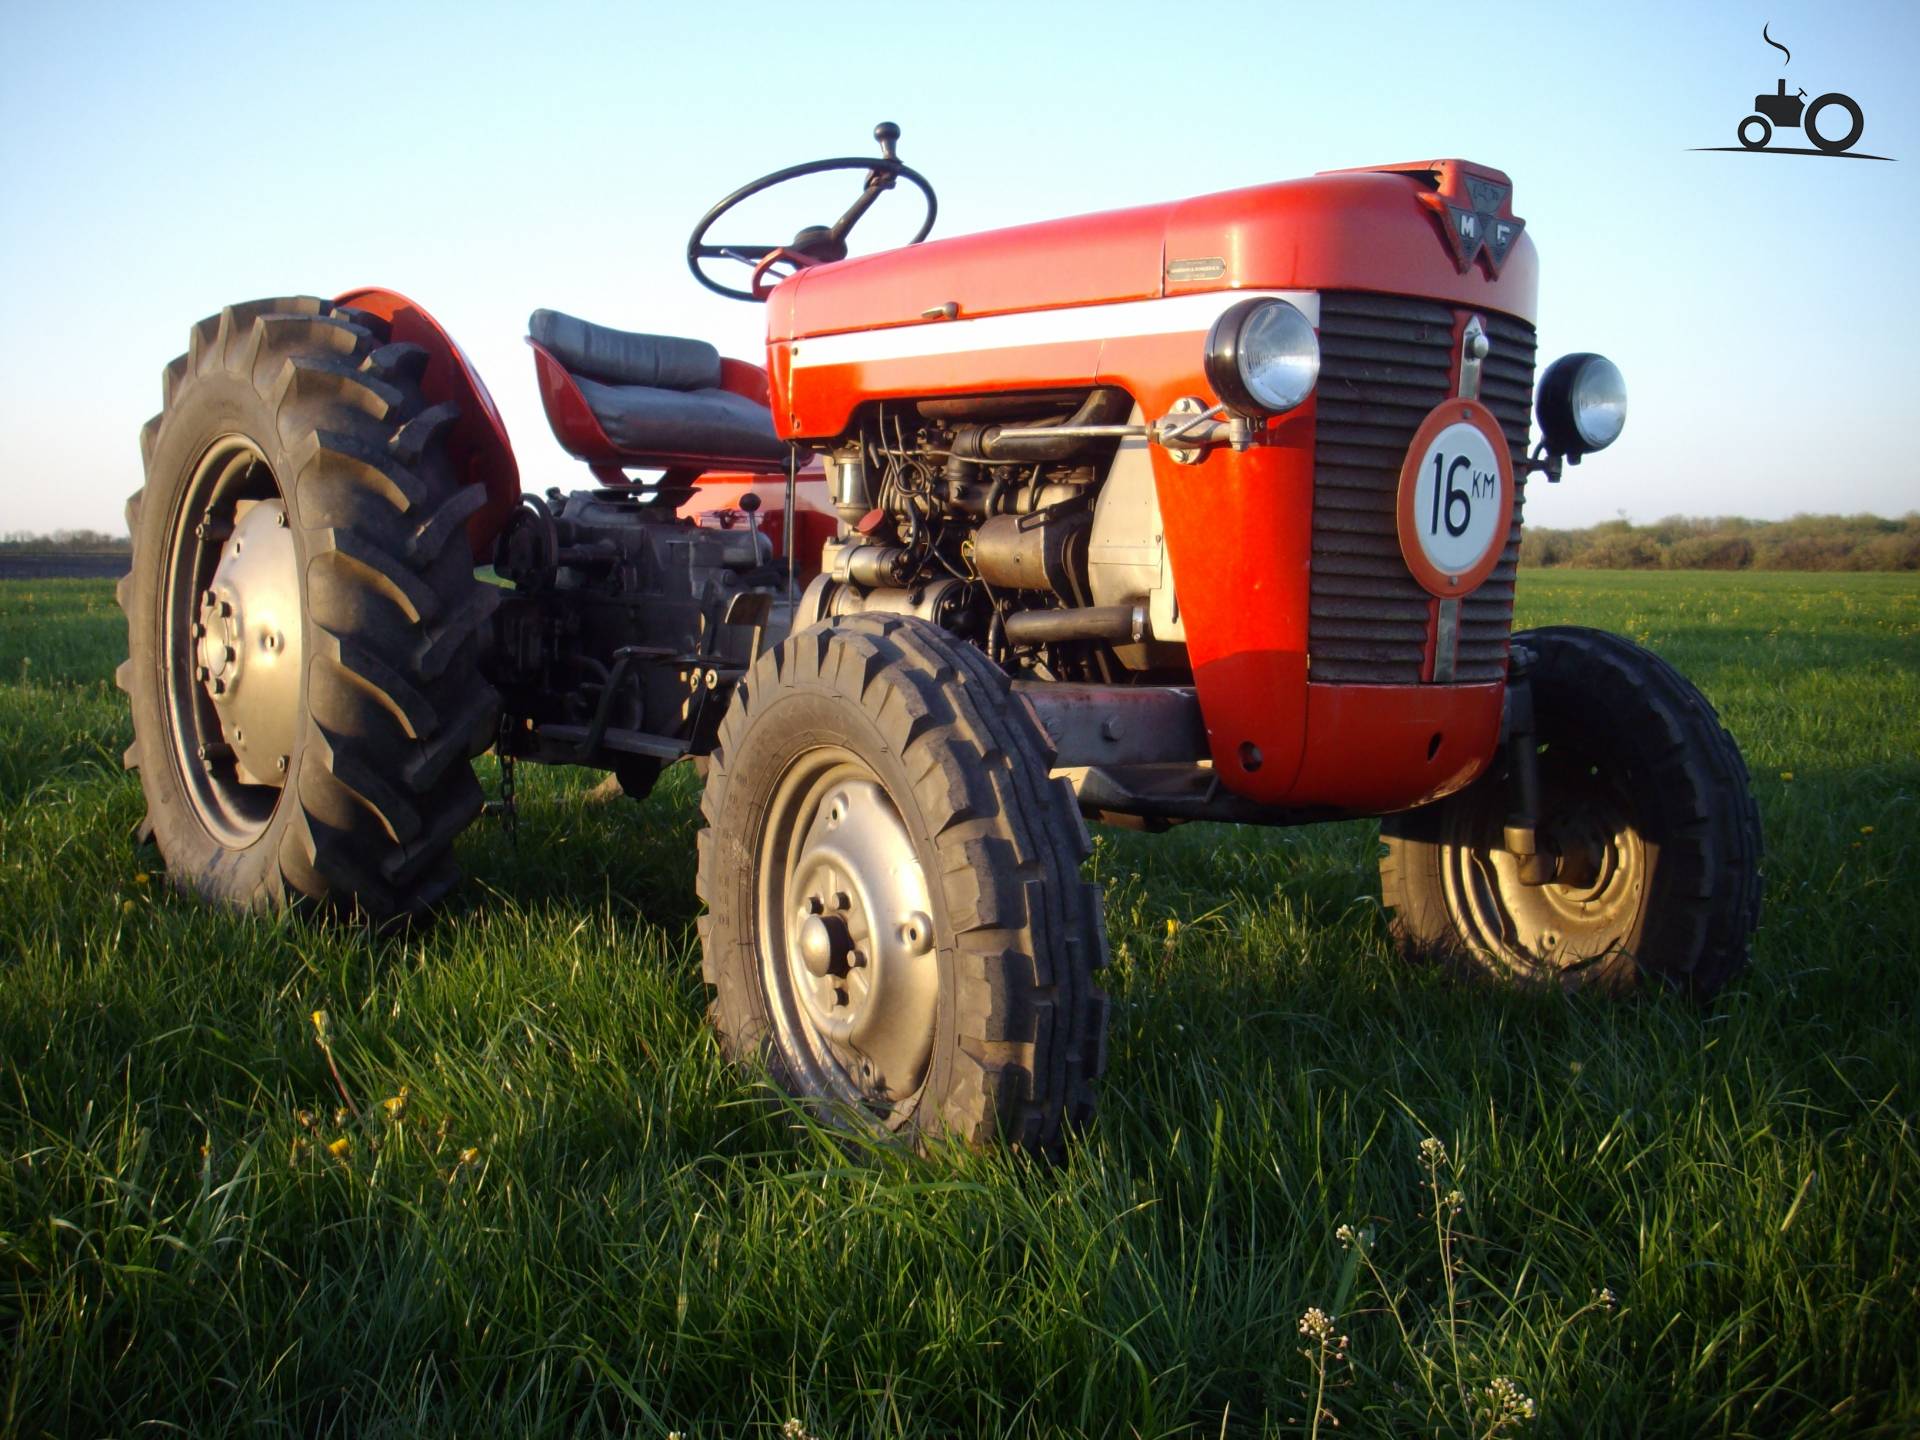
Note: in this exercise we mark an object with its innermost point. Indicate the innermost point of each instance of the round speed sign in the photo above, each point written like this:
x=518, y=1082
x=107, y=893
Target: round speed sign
x=1456, y=498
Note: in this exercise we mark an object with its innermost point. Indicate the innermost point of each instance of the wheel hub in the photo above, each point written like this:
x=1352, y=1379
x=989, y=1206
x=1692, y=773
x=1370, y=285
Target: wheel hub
x=1587, y=910
x=858, y=939
x=247, y=643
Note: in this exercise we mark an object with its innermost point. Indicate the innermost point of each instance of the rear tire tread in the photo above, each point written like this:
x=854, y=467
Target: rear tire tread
x=378, y=794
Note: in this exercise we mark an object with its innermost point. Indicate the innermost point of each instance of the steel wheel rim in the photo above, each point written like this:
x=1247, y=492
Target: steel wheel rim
x=843, y=921
x=232, y=642
x=1570, y=924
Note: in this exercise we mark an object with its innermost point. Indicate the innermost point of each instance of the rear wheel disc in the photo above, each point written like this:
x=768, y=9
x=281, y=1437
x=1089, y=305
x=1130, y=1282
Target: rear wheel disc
x=233, y=642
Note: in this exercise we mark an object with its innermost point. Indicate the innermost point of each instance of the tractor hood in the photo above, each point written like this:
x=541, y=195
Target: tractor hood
x=1443, y=229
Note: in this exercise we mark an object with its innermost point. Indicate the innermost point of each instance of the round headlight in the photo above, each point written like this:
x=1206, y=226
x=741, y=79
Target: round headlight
x=1263, y=357
x=1582, y=405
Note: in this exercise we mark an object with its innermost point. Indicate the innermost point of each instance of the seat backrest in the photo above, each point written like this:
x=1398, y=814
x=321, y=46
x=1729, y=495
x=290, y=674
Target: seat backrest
x=624, y=357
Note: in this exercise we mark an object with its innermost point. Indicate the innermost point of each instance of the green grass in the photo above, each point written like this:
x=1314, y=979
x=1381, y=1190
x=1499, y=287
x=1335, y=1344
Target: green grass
x=581, y=1221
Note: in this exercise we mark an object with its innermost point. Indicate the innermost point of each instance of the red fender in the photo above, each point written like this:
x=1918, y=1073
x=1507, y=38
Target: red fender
x=478, y=444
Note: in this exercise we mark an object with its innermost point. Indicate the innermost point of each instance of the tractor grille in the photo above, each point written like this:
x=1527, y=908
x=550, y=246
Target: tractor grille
x=1385, y=362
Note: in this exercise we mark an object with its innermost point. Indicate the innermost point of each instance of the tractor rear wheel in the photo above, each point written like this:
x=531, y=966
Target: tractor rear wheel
x=1644, y=797
x=896, y=924
x=302, y=617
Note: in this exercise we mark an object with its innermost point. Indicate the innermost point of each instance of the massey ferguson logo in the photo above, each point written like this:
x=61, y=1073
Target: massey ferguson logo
x=1478, y=219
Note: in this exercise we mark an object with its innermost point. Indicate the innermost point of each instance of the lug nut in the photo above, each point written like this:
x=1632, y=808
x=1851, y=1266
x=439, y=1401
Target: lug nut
x=201, y=673
x=842, y=900
x=280, y=764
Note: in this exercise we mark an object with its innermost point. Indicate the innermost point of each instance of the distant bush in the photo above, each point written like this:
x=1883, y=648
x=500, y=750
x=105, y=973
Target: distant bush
x=1710, y=552
x=1680, y=542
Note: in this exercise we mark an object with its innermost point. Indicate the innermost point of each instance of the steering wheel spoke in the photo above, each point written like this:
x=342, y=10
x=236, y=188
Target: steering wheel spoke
x=881, y=175
x=745, y=254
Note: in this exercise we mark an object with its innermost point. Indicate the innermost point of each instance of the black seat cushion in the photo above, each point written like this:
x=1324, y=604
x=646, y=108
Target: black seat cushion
x=651, y=421
x=622, y=357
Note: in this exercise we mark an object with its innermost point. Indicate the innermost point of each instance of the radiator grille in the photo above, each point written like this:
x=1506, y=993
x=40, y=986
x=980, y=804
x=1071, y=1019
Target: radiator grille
x=1385, y=362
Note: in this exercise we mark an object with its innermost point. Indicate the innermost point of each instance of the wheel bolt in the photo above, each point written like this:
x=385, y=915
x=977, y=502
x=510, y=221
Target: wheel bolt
x=815, y=905
x=916, y=934
x=842, y=900
x=201, y=673
x=280, y=764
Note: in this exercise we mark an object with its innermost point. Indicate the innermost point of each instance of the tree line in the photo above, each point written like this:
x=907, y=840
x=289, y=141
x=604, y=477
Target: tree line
x=1679, y=542
x=1683, y=542
x=65, y=542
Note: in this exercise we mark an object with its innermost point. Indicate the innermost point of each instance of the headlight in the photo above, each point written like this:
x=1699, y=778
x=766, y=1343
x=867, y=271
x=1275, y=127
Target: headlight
x=1582, y=405
x=1262, y=357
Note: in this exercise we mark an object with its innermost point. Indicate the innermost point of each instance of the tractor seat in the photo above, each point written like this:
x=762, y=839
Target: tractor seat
x=654, y=395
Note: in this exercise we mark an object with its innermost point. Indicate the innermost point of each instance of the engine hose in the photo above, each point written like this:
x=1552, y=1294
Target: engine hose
x=1104, y=405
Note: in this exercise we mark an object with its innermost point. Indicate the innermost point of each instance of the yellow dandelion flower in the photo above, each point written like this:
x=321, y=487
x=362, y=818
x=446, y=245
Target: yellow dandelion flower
x=339, y=1147
x=322, y=1026
x=126, y=907
x=469, y=1155
x=1173, y=927
x=397, y=1106
x=142, y=878
x=1866, y=829
x=1786, y=774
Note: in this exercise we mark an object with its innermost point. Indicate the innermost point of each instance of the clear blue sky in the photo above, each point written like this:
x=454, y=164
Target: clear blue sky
x=159, y=160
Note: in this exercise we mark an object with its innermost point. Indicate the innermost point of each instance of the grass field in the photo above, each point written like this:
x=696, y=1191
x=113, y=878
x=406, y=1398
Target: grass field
x=557, y=1213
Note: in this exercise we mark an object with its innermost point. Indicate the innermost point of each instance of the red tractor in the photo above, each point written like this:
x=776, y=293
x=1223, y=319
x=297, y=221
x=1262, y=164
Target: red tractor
x=1200, y=511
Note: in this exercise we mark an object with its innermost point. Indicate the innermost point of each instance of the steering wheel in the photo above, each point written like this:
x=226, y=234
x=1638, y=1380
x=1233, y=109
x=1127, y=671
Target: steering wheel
x=816, y=244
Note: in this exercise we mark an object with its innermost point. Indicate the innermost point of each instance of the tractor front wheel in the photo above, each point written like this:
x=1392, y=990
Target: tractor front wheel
x=303, y=617
x=896, y=923
x=1644, y=807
